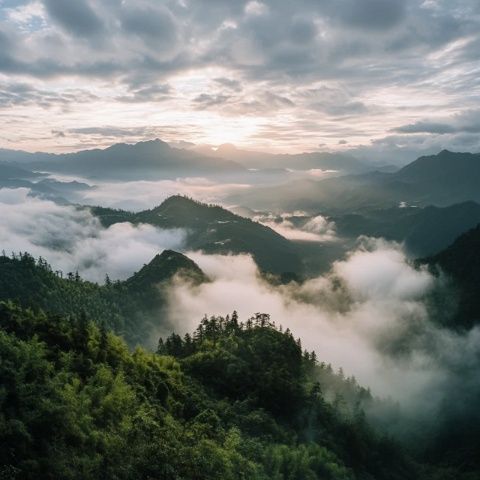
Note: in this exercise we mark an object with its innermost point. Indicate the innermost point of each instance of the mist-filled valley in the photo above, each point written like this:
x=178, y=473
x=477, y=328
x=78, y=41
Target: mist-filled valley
x=380, y=293
x=239, y=240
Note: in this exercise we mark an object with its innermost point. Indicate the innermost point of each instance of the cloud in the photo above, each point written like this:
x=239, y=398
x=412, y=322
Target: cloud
x=76, y=17
x=73, y=239
x=381, y=65
x=229, y=83
x=369, y=14
x=425, y=127
x=369, y=315
x=464, y=122
x=205, y=100
x=153, y=23
x=141, y=195
x=299, y=226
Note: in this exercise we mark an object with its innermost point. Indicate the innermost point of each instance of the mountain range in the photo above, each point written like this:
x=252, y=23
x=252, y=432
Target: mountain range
x=156, y=159
x=440, y=180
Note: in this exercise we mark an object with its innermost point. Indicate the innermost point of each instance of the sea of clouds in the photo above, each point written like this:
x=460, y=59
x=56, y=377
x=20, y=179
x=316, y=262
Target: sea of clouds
x=370, y=314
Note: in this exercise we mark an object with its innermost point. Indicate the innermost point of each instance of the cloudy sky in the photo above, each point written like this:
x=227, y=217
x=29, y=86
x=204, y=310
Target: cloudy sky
x=365, y=75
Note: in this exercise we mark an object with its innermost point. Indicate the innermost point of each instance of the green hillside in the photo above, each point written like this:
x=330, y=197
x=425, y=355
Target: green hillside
x=131, y=308
x=233, y=401
x=215, y=230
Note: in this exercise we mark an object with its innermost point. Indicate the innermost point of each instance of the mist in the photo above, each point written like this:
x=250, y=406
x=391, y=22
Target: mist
x=369, y=315
x=72, y=239
x=300, y=226
x=141, y=195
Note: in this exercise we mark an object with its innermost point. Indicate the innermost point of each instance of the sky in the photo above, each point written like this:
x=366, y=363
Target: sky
x=366, y=76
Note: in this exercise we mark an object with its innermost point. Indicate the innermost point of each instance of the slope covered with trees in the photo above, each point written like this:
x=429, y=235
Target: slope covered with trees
x=214, y=230
x=132, y=308
x=232, y=401
x=461, y=263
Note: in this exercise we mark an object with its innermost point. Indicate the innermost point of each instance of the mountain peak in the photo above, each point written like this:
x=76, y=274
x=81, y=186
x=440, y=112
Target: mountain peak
x=226, y=148
x=164, y=267
x=445, y=152
x=154, y=144
x=187, y=211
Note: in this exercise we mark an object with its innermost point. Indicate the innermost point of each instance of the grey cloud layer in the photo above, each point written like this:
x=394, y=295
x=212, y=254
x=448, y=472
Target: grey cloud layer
x=311, y=61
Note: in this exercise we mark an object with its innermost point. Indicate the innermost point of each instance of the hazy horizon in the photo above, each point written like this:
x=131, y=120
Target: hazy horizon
x=370, y=78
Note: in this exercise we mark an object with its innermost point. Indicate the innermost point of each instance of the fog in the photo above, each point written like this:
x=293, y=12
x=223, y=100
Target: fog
x=73, y=239
x=142, y=195
x=368, y=315
x=309, y=229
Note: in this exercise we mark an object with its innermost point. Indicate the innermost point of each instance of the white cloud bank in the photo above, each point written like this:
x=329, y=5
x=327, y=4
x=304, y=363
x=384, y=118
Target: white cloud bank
x=368, y=315
x=73, y=239
x=315, y=229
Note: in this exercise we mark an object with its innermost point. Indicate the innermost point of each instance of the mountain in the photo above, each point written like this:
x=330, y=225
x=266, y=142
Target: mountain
x=141, y=161
x=445, y=178
x=213, y=229
x=441, y=180
x=461, y=263
x=13, y=176
x=162, y=268
x=424, y=231
x=9, y=171
x=335, y=162
x=131, y=308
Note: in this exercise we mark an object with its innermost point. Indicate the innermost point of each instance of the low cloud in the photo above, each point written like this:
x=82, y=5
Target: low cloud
x=73, y=239
x=299, y=226
x=369, y=315
x=141, y=195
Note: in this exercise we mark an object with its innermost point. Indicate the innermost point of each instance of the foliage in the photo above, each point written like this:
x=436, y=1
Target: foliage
x=232, y=401
x=131, y=308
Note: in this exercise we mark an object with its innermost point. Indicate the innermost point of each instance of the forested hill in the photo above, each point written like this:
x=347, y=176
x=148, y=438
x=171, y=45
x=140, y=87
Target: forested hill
x=233, y=401
x=214, y=230
x=230, y=401
x=461, y=262
x=132, y=308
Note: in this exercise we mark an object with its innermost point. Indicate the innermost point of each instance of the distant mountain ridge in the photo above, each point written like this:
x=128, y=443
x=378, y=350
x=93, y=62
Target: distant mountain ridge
x=441, y=180
x=340, y=162
x=424, y=231
x=157, y=159
x=143, y=160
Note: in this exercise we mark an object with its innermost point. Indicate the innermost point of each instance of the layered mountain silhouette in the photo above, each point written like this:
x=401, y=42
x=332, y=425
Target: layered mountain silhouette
x=424, y=231
x=441, y=180
x=336, y=162
x=156, y=159
x=144, y=160
x=213, y=229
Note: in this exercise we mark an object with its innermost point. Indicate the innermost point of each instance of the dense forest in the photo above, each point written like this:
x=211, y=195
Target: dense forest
x=131, y=308
x=232, y=399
